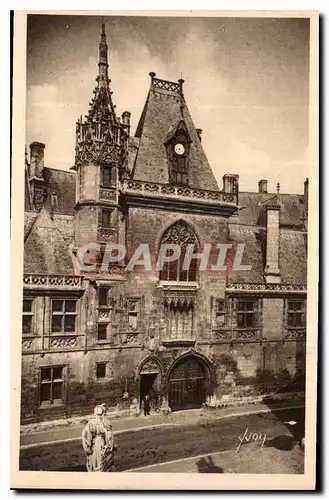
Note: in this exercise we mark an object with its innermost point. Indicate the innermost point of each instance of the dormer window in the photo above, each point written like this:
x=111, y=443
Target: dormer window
x=178, y=146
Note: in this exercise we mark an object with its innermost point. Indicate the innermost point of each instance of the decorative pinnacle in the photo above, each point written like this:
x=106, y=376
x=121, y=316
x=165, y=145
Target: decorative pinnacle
x=278, y=188
x=181, y=81
x=152, y=75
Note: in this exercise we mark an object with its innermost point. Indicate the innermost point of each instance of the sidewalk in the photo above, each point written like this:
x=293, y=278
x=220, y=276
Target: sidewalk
x=64, y=433
x=251, y=459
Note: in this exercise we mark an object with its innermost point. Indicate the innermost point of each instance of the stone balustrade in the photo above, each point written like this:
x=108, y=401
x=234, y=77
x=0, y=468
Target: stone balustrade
x=52, y=281
x=178, y=192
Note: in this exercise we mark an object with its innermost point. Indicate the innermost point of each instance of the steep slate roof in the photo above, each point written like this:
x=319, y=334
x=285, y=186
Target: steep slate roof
x=291, y=213
x=292, y=254
x=252, y=255
x=46, y=249
x=162, y=111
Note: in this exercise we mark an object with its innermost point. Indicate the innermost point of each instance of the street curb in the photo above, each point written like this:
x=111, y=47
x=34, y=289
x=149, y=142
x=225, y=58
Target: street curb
x=155, y=426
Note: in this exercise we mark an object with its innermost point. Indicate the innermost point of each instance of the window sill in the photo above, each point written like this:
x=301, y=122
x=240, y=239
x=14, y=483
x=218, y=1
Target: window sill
x=181, y=285
x=178, y=342
x=63, y=334
x=46, y=406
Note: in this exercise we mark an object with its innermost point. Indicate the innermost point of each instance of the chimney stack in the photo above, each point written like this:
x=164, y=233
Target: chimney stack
x=306, y=196
x=262, y=186
x=37, y=154
x=199, y=132
x=231, y=183
x=272, y=269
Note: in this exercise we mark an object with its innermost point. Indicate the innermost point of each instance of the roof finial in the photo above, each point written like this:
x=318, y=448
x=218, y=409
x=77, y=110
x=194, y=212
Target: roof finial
x=278, y=188
x=181, y=81
x=103, y=27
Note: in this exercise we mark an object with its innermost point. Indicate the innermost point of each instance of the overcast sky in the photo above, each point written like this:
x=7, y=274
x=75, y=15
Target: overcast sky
x=246, y=85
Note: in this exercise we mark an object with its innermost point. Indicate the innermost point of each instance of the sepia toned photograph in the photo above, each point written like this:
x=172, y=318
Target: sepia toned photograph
x=166, y=179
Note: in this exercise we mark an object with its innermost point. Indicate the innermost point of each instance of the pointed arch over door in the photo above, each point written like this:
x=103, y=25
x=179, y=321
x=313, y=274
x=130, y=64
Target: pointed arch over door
x=180, y=234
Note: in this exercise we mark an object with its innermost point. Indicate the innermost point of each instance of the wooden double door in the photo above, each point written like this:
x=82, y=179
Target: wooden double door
x=187, y=384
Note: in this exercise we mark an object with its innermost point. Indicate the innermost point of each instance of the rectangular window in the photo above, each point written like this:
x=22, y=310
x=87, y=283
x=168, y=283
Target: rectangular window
x=63, y=316
x=220, y=313
x=296, y=313
x=106, y=218
x=246, y=313
x=133, y=313
x=101, y=331
x=106, y=177
x=103, y=296
x=100, y=370
x=27, y=320
x=52, y=385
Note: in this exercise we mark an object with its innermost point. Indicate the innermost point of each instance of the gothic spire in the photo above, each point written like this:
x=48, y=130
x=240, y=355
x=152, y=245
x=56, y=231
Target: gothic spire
x=100, y=131
x=103, y=79
x=101, y=106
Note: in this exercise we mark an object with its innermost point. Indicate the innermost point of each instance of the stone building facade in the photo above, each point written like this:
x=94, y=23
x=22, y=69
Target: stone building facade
x=108, y=333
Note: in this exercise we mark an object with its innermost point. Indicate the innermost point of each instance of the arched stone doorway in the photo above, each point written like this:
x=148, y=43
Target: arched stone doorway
x=187, y=383
x=150, y=373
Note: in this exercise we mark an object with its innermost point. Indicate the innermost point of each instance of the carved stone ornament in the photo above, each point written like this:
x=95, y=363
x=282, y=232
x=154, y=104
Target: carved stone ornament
x=295, y=334
x=132, y=339
x=96, y=152
x=246, y=335
x=53, y=281
x=150, y=366
x=265, y=287
x=26, y=343
x=180, y=298
x=222, y=335
x=107, y=234
x=107, y=194
x=63, y=342
x=179, y=234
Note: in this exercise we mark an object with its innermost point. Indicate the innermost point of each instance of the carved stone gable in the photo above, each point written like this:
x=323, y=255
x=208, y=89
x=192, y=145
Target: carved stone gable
x=150, y=366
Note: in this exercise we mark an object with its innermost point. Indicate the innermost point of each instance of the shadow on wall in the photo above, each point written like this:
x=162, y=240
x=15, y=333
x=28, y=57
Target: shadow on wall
x=207, y=465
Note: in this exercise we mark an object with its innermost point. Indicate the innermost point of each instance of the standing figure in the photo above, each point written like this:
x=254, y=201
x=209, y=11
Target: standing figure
x=97, y=442
x=147, y=404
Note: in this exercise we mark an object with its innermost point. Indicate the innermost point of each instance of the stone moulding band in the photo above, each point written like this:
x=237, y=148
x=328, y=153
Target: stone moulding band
x=265, y=288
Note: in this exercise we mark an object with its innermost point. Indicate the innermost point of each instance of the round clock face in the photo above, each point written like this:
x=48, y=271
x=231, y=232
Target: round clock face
x=179, y=149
